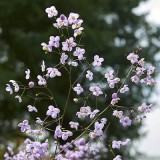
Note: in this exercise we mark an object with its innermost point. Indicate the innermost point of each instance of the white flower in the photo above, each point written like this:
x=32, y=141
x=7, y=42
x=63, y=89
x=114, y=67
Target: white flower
x=15, y=84
x=51, y=11
x=72, y=63
x=9, y=89
x=78, y=31
x=43, y=66
x=27, y=74
x=78, y=89
x=19, y=98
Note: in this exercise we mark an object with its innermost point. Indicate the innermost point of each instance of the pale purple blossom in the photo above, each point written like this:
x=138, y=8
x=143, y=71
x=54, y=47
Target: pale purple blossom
x=96, y=91
x=93, y=114
x=150, y=70
x=133, y=58
x=78, y=31
x=140, y=70
x=41, y=81
x=77, y=24
x=115, y=99
x=52, y=111
x=97, y=61
x=125, y=121
x=74, y=125
x=79, y=52
x=118, y=157
x=24, y=126
x=53, y=72
x=89, y=75
x=61, y=21
x=124, y=89
x=118, y=114
x=141, y=62
x=73, y=18
x=54, y=41
x=46, y=47
x=63, y=58
x=68, y=44
x=31, y=84
x=78, y=89
x=73, y=63
x=52, y=12
x=32, y=108
x=135, y=79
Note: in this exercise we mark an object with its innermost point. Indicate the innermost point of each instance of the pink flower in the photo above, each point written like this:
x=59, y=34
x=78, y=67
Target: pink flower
x=135, y=79
x=124, y=89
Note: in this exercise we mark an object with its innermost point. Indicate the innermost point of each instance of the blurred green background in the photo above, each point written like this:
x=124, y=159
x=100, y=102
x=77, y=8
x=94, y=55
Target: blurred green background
x=112, y=30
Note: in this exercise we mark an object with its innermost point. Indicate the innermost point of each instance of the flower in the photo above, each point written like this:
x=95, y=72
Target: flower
x=72, y=18
x=73, y=63
x=24, y=126
x=61, y=21
x=19, y=98
x=135, y=79
x=68, y=44
x=78, y=31
x=115, y=99
x=78, y=89
x=63, y=58
x=96, y=91
x=41, y=80
x=125, y=121
x=89, y=75
x=74, y=125
x=52, y=111
x=54, y=41
x=9, y=89
x=97, y=61
x=15, y=84
x=31, y=84
x=32, y=108
x=79, y=53
x=118, y=114
x=92, y=114
x=51, y=12
x=118, y=157
x=46, y=47
x=43, y=66
x=53, y=72
x=27, y=74
x=133, y=58
x=124, y=89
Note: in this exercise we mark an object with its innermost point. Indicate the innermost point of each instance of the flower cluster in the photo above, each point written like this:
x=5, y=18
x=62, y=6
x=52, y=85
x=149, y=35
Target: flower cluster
x=63, y=144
